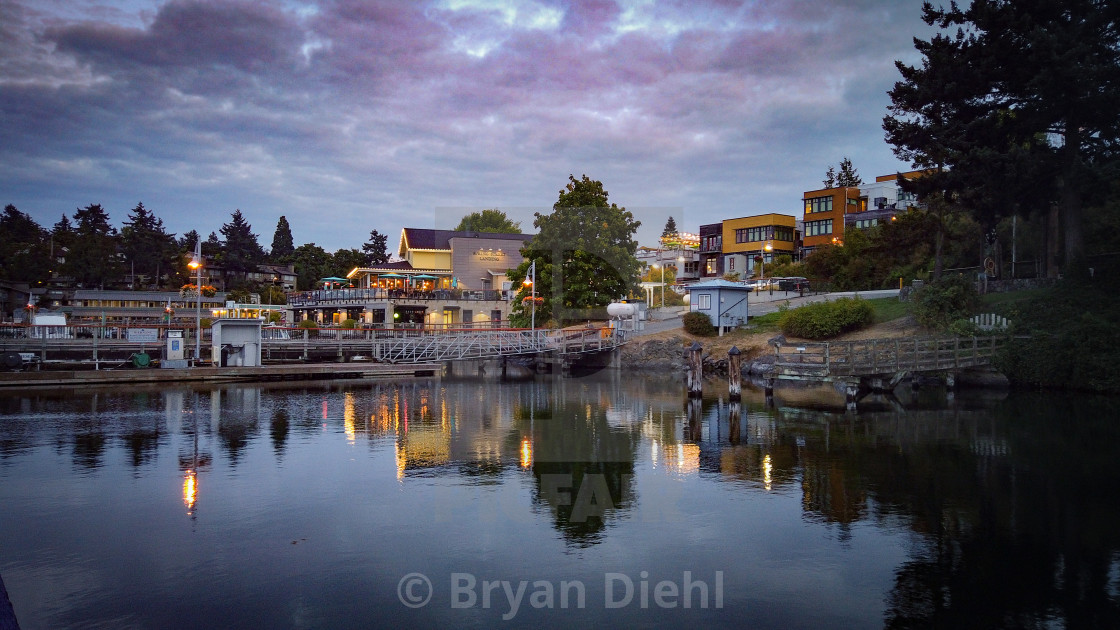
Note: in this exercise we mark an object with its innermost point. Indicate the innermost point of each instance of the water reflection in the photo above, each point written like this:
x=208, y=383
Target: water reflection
x=997, y=512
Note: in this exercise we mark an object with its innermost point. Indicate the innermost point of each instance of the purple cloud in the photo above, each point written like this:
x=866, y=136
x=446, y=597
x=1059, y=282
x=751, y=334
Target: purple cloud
x=349, y=115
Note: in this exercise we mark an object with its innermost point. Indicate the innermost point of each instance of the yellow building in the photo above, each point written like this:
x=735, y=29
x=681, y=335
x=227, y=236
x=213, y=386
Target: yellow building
x=768, y=235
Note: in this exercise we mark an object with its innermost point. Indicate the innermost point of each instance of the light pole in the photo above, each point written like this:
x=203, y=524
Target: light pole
x=196, y=264
x=533, y=295
x=762, y=254
x=655, y=266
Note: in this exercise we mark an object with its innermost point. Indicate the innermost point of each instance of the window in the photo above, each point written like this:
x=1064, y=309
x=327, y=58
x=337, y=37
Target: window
x=818, y=204
x=818, y=228
x=731, y=264
x=866, y=223
x=704, y=302
x=783, y=233
x=754, y=234
x=710, y=266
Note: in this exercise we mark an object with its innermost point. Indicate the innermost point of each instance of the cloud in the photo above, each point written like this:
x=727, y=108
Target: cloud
x=349, y=115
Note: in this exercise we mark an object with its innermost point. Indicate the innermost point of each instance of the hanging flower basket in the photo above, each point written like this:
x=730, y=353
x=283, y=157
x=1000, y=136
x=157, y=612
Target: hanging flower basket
x=758, y=259
x=530, y=299
x=189, y=290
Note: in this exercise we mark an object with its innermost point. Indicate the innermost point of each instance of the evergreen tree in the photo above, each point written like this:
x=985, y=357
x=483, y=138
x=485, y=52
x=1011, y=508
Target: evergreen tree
x=93, y=260
x=282, y=244
x=24, y=248
x=1015, y=107
x=670, y=229
x=848, y=176
x=241, y=252
x=376, y=249
x=147, y=247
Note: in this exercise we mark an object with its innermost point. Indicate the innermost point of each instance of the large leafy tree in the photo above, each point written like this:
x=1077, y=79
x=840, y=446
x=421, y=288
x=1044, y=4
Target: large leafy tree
x=311, y=262
x=241, y=252
x=282, y=244
x=93, y=259
x=24, y=248
x=376, y=249
x=147, y=247
x=1013, y=106
x=345, y=260
x=584, y=253
x=491, y=220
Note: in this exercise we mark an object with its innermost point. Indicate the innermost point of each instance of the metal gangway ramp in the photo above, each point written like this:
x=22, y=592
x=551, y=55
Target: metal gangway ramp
x=417, y=346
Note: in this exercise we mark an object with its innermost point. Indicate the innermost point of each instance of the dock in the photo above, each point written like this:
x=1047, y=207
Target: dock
x=310, y=371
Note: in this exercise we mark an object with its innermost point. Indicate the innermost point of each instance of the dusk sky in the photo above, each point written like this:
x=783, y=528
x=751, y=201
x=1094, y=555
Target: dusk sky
x=352, y=115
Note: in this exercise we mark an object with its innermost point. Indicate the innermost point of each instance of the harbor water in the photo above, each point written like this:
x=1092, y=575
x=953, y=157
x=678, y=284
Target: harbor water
x=609, y=499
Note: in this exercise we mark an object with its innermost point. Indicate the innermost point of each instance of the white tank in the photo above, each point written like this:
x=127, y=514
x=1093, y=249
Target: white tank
x=622, y=309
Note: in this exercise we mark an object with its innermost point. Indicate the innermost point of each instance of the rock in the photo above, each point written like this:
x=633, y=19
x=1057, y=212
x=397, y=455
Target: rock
x=986, y=379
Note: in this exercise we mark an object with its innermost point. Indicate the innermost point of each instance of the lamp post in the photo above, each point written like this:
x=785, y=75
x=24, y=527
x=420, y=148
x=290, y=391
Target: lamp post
x=533, y=295
x=196, y=264
x=655, y=266
x=762, y=254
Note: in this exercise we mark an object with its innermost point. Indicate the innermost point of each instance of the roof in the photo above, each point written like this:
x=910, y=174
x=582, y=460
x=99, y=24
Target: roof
x=420, y=238
x=719, y=283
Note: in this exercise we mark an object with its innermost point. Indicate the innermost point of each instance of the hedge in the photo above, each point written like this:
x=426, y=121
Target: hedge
x=822, y=320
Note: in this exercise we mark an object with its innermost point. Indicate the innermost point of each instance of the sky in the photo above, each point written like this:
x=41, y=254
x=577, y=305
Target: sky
x=347, y=116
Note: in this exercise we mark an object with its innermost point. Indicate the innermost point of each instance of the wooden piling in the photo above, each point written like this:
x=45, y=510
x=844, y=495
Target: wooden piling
x=734, y=421
x=734, y=373
x=693, y=432
x=695, y=370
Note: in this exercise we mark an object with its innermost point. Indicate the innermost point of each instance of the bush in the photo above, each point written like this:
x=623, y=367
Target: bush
x=823, y=320
x=308, y=323
x=938, y=304
x=349, y=323
x=698, y=324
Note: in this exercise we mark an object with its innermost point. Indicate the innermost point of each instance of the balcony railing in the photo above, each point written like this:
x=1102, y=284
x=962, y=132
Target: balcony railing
x=362, y=296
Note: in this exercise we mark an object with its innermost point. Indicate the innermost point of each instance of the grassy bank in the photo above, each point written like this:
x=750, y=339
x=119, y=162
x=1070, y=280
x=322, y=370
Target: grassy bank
x=1074, y=331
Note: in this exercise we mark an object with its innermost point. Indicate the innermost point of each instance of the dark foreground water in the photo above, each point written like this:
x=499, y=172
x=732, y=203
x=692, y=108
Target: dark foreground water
x=559, y=503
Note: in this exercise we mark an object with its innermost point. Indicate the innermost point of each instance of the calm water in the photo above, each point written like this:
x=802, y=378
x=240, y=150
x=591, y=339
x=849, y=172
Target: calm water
x=546, y=503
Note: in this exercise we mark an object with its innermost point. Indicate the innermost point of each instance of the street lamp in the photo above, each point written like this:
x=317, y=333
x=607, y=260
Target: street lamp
x=762, y=254
x=655, y=266
x=196, y=264
x=532, y=284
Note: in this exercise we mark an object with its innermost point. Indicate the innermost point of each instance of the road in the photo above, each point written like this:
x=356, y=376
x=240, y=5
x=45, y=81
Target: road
x=764, y=303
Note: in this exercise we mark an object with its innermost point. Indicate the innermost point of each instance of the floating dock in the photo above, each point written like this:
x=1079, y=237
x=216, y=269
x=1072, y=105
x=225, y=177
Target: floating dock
x=308, y=371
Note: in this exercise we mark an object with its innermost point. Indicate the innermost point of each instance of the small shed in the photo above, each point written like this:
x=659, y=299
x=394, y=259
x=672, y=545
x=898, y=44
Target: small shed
x=236, y=342
x=723, y=301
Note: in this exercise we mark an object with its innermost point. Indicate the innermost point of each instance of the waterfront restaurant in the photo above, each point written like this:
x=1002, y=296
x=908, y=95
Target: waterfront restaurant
x=444, y=278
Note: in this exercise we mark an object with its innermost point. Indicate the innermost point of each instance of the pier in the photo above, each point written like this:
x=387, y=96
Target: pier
x=881, y=364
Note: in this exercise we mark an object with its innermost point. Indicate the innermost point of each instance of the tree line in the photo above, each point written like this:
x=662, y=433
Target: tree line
x=87, y=251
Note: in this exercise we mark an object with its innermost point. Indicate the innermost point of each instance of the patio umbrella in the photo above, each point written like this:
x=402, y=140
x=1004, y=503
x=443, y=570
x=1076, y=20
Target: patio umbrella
x=391, y=275
x=424, y=276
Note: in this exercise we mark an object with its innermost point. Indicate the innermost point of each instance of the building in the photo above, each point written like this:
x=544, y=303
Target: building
x=711, y=250
x=125, y=307
x=678, y=251
x=723, y=301
x=765, y=235
x=825, y=210
x=444, y=278
x=831, y=211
